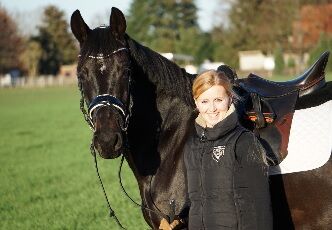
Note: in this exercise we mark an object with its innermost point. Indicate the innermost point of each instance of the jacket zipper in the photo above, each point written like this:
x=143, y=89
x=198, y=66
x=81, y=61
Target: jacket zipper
x=205, y=144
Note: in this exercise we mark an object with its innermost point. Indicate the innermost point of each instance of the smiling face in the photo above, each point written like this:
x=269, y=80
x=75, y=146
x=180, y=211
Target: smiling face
x=213, y=104
x=213, y=93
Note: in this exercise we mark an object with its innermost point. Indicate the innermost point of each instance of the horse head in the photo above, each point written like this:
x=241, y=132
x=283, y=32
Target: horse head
x=104, y=80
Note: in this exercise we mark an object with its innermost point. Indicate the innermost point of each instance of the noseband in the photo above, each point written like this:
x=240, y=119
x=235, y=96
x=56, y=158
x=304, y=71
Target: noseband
x=107, y=100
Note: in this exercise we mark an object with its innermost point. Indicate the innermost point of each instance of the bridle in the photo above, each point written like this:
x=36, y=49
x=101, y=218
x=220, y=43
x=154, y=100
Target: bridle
x=108, y=100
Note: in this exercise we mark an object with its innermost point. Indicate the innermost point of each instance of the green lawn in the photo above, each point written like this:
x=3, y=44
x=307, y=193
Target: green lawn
x=328, y=77
x=48, y=179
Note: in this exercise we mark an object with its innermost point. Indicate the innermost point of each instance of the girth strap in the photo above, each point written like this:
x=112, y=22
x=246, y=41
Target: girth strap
x=256, y=103
x=257, y=115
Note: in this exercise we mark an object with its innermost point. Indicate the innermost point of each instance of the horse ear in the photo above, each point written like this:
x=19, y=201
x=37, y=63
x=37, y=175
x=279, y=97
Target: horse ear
x=78, y=27
x=117, y=22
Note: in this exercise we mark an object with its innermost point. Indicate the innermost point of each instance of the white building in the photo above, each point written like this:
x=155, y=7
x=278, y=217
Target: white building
x=187, y=59
x=207, y=65
x=255, y=60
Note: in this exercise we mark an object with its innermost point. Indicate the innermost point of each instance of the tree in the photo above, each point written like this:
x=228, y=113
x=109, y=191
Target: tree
x=56, y=41
x=11, y=43
x=31, y=56
x=141, y=18
x=165, y=25
x=186, y=14
x=311, y=22
x=252, y=24
x=223, y=50
x=313, y=2
x=279, y=61
x=192, y=42
x=324, y=44
x=206, y=48
x=189, y=38
x=262, y=25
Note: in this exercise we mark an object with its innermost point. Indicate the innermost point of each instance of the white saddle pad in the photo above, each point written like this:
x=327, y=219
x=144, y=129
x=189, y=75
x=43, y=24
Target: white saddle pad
x=310, y=140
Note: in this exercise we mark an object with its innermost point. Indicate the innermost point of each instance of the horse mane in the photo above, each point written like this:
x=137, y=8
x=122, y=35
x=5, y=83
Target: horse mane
x=168, y=77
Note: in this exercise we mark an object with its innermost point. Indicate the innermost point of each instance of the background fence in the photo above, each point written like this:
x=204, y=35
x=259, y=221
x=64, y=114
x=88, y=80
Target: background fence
x=38, y=81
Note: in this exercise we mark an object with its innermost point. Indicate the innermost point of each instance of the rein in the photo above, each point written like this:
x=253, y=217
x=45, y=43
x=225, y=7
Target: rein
x=112, y=213
x=159, y=213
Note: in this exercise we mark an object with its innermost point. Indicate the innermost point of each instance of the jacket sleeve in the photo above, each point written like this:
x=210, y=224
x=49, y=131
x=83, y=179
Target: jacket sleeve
x=251, y=184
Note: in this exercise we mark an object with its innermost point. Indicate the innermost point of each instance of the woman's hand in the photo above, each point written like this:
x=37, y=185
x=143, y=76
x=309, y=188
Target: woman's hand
x=164, y=225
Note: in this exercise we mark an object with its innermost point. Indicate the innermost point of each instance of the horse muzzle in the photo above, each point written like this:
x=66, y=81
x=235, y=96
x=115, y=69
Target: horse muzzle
x=108, y=136
x=109, y=145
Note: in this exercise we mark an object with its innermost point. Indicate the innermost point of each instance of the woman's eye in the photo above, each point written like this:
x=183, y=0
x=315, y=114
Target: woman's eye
x=204, y=101
x=218, y=100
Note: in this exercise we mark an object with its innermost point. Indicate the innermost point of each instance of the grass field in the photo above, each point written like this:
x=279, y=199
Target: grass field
x=328, y=77
x=48, y=179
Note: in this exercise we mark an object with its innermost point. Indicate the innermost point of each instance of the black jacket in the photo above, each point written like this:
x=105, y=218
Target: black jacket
x=227, y=179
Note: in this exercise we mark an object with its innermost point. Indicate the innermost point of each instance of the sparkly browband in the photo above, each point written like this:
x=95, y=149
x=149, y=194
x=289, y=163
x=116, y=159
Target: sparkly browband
x=101, y=56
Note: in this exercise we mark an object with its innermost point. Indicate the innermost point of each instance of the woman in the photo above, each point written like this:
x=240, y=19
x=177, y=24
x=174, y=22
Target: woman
x=226, y=169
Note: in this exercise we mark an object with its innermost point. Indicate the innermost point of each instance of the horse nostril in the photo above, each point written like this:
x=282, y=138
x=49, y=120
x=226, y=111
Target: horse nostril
x=108, y=141
x=117, y=142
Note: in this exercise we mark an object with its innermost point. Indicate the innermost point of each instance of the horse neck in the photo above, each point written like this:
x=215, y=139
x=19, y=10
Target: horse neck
x=162, y=107
x=161, y=112
x=166, y=76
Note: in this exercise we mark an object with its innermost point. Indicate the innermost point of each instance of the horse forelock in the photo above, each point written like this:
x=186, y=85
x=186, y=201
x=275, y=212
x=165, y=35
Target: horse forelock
x=100, y=42
x=103, y=65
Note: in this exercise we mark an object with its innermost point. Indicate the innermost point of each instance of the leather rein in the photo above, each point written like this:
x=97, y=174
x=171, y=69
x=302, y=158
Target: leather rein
x=108, y=100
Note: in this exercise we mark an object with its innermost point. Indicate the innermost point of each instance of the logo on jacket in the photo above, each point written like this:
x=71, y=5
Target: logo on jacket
x=218, y=152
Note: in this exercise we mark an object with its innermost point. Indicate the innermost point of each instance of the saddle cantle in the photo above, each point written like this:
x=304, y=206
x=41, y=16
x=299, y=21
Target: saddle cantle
x=308, y=82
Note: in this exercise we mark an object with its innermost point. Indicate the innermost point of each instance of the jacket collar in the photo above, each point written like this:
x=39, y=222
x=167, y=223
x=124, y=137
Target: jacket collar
x=220, y=129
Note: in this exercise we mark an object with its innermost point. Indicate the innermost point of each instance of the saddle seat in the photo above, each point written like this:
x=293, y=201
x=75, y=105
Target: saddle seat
x=306, y=83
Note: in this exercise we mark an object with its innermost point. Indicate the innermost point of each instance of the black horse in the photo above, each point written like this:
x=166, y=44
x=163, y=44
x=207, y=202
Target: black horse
x=140, y=105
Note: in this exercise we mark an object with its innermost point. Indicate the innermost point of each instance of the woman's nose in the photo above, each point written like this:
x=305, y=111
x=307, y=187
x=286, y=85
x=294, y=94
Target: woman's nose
x=212, y=107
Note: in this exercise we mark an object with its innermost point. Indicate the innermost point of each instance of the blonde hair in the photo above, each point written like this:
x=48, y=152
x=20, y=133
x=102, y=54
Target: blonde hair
x=209, y=78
